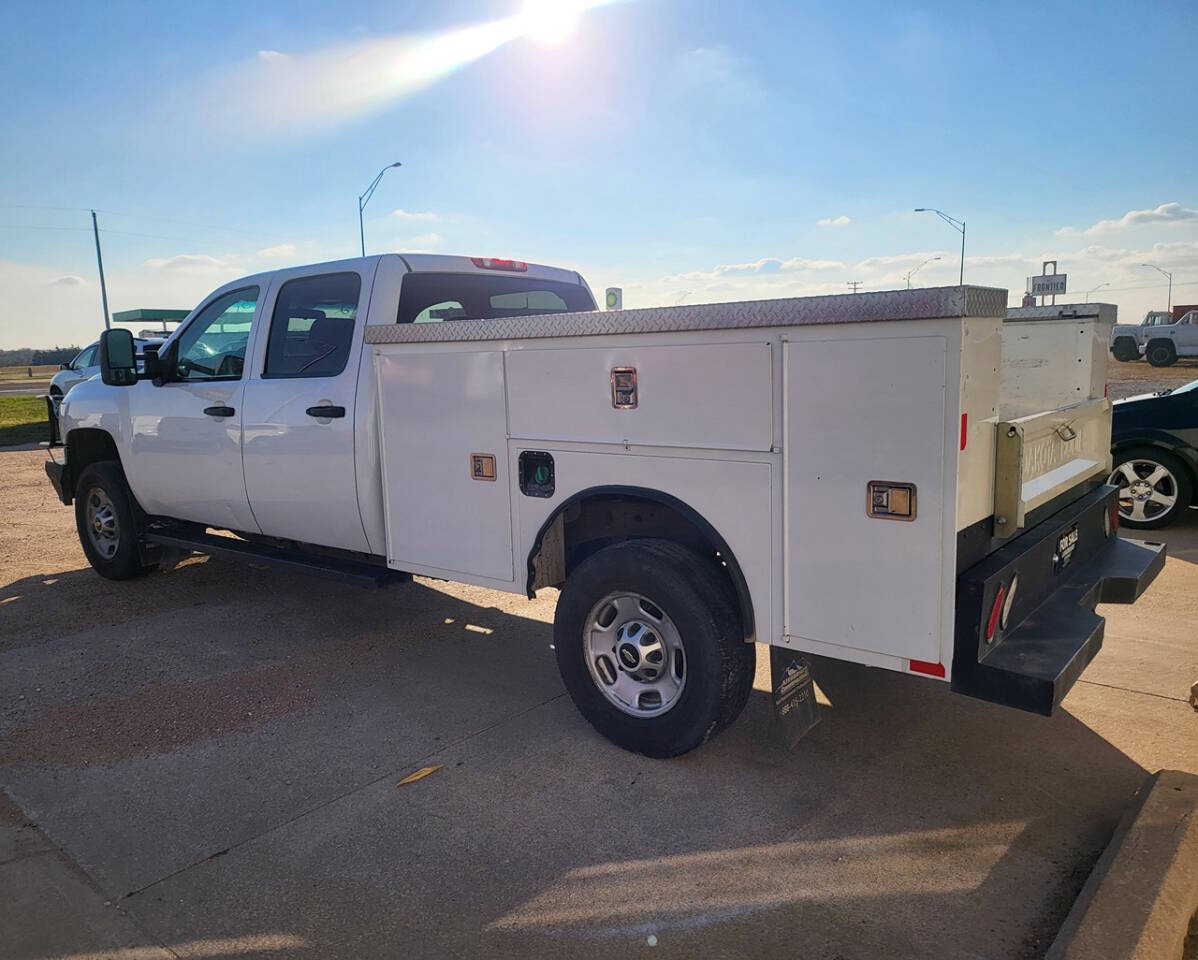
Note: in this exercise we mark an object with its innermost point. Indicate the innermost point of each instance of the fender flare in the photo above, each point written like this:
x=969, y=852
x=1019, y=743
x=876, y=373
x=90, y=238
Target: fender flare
x=739, y=584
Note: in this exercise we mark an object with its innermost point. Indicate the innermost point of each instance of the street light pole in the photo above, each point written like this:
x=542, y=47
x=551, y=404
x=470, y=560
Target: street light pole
x=100, y=264
x=917, y=269
x=365, y=199
x=1105, y=283
x=1167, y=274
x=958, y=225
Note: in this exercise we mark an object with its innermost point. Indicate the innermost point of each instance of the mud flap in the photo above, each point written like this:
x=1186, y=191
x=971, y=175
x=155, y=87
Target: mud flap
x=793, y=695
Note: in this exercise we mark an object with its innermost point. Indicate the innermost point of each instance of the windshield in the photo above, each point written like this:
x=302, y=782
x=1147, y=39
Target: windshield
x=437, y=297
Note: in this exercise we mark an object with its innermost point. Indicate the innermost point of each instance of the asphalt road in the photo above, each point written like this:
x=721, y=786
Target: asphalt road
x=24, y=387
x=207, y=761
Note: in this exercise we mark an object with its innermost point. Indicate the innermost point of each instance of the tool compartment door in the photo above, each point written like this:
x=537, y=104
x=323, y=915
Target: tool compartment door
x=438, y=412
x=861, y=410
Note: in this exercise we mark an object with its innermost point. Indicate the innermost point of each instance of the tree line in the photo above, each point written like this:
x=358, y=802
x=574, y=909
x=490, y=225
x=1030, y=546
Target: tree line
x=31, y=357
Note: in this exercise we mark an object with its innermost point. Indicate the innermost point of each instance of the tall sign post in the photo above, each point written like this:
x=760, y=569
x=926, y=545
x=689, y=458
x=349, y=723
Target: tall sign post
x=1047, y=284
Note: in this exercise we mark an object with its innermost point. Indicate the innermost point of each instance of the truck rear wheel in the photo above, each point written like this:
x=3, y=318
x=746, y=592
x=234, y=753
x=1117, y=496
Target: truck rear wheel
x=649, y=647
x=106, y=522
x=1125, y=350
x=1161, y=353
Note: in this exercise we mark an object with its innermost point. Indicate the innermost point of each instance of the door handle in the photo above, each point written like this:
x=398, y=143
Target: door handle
x=219, y=411
x=326, y=413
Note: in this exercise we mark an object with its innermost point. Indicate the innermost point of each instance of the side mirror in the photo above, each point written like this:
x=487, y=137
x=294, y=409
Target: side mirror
x=65, y=366
x=118, y=359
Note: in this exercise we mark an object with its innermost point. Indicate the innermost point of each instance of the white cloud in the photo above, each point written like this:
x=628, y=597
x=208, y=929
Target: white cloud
x=191, y=262
x=279, y=250
x=841, y=221
x=1165, y=213
x=68, y=281
x=422, y=240
x=411, y=215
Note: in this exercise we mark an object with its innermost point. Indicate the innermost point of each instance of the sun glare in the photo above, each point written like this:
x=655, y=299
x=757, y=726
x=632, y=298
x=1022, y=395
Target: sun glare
x=551, y=22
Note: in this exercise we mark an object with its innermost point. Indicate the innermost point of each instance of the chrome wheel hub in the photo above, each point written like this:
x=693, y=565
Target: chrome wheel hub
x=634, y=654
x=1147, y=490
x=102, y=526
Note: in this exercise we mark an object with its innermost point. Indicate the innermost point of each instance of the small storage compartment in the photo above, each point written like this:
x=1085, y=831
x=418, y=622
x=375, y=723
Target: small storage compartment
x=715, y=396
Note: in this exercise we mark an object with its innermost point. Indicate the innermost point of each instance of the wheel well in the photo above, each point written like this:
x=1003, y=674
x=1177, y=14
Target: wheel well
x=593, y=519
x=87, y=445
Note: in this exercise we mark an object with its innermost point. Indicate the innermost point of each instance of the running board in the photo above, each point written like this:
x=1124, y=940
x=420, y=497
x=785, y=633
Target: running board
x=344, y=570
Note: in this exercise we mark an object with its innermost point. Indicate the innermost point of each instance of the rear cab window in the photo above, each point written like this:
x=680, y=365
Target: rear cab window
x=439, y=297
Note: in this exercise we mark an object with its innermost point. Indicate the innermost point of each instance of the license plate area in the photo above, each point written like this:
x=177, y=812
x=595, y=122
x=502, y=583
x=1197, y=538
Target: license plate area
x=1066, y=548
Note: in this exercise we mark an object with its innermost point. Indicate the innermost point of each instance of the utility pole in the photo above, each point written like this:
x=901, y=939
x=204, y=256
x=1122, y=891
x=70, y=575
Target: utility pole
x=854, y=284
x=100, y=264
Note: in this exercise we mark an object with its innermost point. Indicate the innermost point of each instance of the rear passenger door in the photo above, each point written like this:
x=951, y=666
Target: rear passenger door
x=298, y=440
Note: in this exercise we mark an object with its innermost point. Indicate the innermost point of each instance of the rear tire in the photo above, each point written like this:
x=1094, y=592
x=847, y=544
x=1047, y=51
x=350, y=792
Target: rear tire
x=679, y=670
x=1161, y=353
x=107, y=522
x=1147, y=477
x=1125, y=350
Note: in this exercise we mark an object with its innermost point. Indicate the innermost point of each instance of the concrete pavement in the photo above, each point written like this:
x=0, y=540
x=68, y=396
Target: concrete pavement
x=218, y=750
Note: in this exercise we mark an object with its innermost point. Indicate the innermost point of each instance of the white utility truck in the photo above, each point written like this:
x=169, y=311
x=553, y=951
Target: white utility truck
x=836, y=475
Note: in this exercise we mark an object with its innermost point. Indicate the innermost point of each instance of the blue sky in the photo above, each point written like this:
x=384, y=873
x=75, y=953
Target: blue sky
x=686, y=151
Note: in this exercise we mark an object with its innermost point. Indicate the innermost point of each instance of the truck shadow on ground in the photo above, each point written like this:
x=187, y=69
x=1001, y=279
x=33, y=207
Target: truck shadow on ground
x=220, y=746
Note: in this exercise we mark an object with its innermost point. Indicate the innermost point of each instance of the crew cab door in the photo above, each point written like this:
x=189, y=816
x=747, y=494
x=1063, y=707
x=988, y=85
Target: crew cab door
x=300, y=408
x=185, y=434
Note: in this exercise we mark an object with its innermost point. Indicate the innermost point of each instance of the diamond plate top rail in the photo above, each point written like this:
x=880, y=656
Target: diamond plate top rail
x=923, y=304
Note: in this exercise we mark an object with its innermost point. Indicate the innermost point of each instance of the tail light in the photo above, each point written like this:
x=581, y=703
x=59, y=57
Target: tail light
x=995, y=612
x=496, y=263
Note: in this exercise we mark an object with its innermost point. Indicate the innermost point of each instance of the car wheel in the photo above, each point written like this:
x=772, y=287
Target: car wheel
x=649, y=646
x=106, y=522
x=1125, y=350
x=1161, y=353
x=1154, y=487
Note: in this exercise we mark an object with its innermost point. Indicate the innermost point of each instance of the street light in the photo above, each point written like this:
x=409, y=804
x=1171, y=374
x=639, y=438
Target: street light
x=1167, y=274
x=1105, y=283
x=917, y=269
x=958, y=225
x=365, y=199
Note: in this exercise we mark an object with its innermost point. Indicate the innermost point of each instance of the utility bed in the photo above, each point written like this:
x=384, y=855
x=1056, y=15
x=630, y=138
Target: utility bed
x=859, y=455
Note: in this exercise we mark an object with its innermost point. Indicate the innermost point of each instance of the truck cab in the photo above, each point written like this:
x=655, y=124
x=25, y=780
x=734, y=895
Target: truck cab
x=260, y=416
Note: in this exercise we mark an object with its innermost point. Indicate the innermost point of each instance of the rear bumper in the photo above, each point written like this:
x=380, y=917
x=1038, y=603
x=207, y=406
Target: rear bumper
x=1052, y=631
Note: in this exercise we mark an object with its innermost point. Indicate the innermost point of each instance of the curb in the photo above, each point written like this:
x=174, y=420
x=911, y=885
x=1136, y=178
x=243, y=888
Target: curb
x=1143, y=891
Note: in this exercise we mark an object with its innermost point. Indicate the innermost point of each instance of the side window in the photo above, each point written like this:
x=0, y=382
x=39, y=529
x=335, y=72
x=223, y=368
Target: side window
x=213, y=345
x=312, y=329
x=86, y=357
x=528, y=302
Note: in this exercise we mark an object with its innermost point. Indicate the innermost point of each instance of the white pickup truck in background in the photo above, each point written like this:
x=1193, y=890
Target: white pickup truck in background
x=1160, y=338
x=841, y=476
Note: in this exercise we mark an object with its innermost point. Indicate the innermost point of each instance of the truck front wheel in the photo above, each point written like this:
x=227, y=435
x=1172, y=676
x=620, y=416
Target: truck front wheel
x=106, y=522
x=1125, y=350
x=649, y=646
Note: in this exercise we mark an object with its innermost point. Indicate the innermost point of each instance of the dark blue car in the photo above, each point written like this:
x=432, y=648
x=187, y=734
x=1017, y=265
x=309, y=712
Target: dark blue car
x=1154, y=439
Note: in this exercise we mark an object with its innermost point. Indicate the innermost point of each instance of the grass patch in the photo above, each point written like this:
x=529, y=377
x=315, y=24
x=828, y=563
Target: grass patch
x=22, y=420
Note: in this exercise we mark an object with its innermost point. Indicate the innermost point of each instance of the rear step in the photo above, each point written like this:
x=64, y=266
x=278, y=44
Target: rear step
x=342, y=569
x=1054, y=632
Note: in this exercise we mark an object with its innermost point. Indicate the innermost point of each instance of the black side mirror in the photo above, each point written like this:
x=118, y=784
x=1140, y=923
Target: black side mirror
x=118, y=359
x=64, y=366
x=151, y=364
